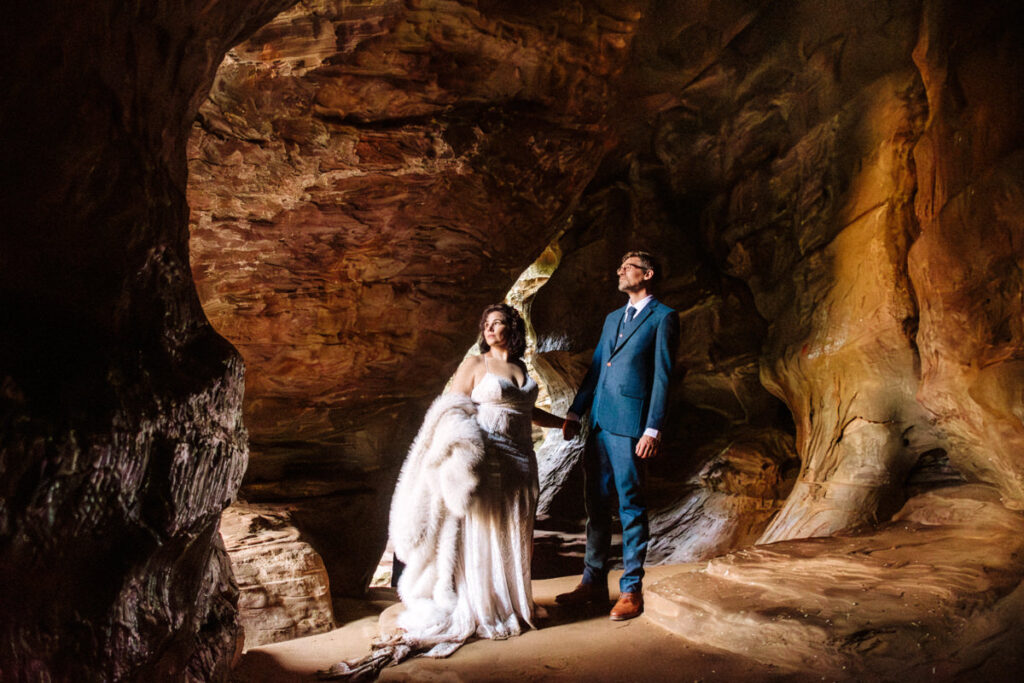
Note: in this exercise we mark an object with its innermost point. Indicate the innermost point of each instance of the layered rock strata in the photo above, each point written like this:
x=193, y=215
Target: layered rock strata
x=741, y=486
x=364, y=179
x=284, y=592
x=120, y=428
x=966, y=265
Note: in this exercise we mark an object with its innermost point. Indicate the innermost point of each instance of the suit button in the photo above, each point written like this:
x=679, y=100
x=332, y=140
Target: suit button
x=609, y=363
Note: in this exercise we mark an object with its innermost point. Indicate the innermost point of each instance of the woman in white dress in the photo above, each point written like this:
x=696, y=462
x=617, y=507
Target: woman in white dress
x=463, y=509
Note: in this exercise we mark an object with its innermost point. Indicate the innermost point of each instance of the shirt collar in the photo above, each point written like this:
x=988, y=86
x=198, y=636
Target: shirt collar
x=639, y=305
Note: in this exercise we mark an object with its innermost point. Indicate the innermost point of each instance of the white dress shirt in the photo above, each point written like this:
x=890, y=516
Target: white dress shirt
x=639, y=306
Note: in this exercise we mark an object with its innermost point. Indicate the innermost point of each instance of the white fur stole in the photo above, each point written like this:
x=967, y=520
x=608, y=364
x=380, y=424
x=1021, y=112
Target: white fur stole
x=434, y=490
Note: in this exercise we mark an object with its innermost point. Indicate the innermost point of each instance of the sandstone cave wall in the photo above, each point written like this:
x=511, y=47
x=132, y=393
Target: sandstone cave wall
x=835, y=188
x=121, y=435
x=966, y=264
x=364, y=179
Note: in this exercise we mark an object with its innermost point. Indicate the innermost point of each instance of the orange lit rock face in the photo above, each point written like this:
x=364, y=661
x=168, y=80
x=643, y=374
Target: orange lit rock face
x=845, y=357
x=966, y=265
x=283, y=588
x=895, y=340
x=363, y=180
x=912, y=599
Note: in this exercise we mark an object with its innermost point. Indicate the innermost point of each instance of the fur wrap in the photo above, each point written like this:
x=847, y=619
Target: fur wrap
x=435, y=489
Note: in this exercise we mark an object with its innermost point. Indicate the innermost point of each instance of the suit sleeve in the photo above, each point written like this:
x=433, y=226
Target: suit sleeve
x=665, y=345
x=585, y=396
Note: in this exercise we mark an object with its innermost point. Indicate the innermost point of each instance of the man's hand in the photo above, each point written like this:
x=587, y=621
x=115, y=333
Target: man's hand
x=570, y=429
x=646, y=447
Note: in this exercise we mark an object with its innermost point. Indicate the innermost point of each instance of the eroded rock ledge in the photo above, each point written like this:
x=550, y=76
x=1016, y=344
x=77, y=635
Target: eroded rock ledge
x=935, y=592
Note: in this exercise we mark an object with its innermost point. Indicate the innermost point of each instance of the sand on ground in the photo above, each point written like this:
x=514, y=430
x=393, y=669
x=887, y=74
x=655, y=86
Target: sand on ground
x=572, y=645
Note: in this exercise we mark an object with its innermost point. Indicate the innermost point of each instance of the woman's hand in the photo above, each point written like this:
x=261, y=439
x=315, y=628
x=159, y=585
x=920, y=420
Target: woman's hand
x=570, y=428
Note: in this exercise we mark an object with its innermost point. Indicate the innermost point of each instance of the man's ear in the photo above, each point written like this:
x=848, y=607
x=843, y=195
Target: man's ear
x=648, y=274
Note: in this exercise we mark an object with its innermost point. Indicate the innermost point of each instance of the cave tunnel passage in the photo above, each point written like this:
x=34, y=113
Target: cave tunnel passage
x=345, y=243
x=347, y=259
x=363, y=179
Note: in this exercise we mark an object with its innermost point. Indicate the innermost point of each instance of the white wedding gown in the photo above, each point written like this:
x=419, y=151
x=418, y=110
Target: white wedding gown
x=470, y=574
x=492, y=570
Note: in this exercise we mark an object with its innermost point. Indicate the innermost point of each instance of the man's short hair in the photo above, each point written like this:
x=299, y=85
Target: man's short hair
x=648, y=262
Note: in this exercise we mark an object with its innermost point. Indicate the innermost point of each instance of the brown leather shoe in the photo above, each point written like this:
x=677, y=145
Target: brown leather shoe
x=583, y=594
x=628, y=606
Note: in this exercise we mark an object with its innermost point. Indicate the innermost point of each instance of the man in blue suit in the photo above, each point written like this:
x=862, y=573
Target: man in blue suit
x=626, y=392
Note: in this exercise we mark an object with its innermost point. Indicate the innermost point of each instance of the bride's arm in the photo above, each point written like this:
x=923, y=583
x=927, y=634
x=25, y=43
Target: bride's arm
x=543, y=418
x=465, y=376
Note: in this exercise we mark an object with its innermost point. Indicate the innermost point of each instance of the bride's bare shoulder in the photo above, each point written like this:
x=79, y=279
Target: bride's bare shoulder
x=468, y=374
x=472, y=364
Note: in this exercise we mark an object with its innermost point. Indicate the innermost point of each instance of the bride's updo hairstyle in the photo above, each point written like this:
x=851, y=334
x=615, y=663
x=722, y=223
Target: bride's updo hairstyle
x=514, y=326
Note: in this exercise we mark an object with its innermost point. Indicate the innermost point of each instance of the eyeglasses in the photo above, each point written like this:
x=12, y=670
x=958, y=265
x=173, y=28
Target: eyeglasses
x=630, y=265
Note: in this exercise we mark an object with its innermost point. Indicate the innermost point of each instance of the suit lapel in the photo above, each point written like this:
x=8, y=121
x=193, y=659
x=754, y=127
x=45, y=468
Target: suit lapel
x=613, y=330
x=638, y=321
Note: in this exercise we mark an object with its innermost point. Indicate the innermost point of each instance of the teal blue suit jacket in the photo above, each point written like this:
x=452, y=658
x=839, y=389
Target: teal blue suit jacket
x=626, y=387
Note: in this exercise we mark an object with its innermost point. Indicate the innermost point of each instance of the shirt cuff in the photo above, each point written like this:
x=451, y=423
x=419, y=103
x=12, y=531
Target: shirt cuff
x=653, y=433
x=572, y=417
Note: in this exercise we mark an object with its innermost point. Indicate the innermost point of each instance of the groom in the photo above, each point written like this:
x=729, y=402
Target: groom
x=626, y=390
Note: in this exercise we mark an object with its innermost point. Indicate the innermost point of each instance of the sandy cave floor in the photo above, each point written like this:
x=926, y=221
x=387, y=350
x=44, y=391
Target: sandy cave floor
x=572, y=645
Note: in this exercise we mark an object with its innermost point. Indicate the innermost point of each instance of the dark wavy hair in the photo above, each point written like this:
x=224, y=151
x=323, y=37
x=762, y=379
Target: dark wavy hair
x=515, y=330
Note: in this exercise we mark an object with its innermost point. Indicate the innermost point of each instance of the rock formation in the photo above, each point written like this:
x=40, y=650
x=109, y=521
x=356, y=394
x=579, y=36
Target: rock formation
x=121, y=437
x=898, y=338
x=834, y=188
x=966, y=264
x=913, y=599
x=283, y=588
x=740, y=487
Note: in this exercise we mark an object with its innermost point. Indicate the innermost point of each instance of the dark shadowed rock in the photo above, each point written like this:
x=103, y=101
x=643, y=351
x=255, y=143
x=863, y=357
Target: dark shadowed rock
x=727, y=505
x=121, y=437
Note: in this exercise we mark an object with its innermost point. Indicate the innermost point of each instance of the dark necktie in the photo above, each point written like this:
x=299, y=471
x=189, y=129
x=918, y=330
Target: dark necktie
x=630, y=312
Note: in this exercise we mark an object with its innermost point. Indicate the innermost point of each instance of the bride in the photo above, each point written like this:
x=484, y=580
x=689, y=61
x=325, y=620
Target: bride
x=463, y=508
